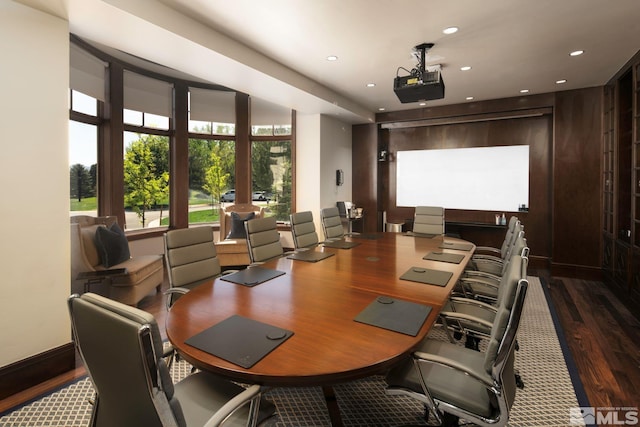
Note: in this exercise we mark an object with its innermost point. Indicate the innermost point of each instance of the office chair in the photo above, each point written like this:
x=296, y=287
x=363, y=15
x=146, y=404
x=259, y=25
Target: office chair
x=456, y=382
x=331, y=223
x=473, y=318
x=489, y=259
x=483, y=285
x=191, y=258
x=303, y=230
x=263, y=239
x=428, y=220
x=133, y=386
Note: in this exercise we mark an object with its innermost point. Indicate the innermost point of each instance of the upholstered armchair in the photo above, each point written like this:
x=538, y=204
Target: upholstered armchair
x=98, y=248
x=232, y=245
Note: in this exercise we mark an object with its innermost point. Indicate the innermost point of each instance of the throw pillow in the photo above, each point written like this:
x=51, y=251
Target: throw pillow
x=112, y=245
x=237, y=225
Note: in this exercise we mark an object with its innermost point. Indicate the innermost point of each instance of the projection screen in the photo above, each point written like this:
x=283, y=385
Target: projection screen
x=482, y=178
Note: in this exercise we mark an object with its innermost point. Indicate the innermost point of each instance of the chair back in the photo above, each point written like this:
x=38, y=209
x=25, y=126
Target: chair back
x=303, y=230
x=121, y=349
x=191, y=256
x=263, y=239
x=428, y=220
x=331, y=223
x=500, y=353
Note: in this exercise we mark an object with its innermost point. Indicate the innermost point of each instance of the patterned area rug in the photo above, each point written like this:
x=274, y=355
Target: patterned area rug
x=545, y=400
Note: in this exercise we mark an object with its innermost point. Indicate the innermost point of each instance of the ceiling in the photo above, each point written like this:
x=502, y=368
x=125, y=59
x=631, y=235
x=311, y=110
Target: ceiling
x=277, y=49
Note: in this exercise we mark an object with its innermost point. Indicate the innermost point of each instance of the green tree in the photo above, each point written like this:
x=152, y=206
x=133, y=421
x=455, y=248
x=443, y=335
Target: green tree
x=215, y=179
x=80, y=182
x=283, y=206
x=144, y=185
x=261, y=174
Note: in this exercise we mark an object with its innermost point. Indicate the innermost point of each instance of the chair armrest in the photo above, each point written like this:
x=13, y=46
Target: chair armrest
x=454, y=315
x=435, y=359
x=489, y=249
x=249, y=395
x=469, y=301
x=480, y=282
x=482, y=275
x=169, y=292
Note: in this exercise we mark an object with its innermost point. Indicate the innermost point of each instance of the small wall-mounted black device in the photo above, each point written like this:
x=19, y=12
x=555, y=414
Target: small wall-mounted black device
x=339, y=177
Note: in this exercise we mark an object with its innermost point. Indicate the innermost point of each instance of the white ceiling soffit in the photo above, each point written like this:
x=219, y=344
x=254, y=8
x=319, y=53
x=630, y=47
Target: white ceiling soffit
x=151, y=30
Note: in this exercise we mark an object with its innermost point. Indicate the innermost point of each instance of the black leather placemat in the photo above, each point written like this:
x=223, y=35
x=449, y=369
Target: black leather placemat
x=252, y=276
x=456, y=246
x=427, y=276
x=339, y=244
x=443, y=257
x=395, y=315
x=310, y=256
x=240, y=340
x=428, y=236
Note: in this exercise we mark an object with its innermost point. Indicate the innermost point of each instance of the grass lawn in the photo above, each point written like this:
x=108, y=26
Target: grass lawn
x=207, y=215
x=87, y=204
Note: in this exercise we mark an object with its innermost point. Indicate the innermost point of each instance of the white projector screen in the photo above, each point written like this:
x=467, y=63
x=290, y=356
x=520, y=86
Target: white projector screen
x=483, y=178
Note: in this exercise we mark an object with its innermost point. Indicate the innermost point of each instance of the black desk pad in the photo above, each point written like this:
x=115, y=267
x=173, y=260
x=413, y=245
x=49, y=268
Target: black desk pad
x=368, y=236
x=428, y=236
x=443, y=257
x=240, y=340
x=427, y=276
x=395, y=315
x=310, y=256
x=339, y=244
x=252, y=276
x=457, y=246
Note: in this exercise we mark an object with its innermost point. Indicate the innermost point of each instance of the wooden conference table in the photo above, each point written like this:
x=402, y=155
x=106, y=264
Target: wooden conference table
x=318, y=302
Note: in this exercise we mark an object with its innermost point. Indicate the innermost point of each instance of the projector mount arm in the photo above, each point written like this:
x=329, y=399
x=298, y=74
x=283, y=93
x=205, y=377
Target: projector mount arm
x=422, y=50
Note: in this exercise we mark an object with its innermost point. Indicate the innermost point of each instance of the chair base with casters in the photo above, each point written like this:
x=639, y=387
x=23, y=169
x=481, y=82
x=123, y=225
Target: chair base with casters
x=121, y=348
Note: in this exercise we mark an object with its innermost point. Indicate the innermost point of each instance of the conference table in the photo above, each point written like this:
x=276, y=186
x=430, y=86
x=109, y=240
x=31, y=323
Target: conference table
x=316, y=303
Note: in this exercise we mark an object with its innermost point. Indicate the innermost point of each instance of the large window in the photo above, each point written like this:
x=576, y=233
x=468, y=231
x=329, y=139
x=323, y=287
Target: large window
x=271, y=160
x=174, y=136
x=211, y=176
x=83, y=157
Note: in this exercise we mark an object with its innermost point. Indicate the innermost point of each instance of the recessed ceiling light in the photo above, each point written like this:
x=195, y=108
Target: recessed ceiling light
x=332, y=58
x=465, y=68
x=576, y=52
x=559, y=82
x=524, y=91
x=469, y=98
x=371, y=85
x=450, y=30
x=381, y=109
x=422, y=104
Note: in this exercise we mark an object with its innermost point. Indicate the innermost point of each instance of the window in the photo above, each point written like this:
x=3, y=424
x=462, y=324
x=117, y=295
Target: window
x=212, y=112
x=271, y=176
x=271, y=161
x=146, y=180
x=211, y=175
x=83, y=168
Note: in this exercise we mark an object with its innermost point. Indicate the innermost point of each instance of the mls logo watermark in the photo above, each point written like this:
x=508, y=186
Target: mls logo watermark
x=588, y=415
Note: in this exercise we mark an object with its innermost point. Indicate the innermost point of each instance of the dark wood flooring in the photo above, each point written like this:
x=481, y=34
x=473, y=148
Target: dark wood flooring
x=603, y=336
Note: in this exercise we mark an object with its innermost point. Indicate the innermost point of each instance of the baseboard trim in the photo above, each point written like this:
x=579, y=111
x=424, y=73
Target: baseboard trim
x=37, y=369
x=576, y=271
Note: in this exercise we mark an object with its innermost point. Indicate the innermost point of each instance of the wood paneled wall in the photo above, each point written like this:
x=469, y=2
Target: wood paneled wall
x=565, y=154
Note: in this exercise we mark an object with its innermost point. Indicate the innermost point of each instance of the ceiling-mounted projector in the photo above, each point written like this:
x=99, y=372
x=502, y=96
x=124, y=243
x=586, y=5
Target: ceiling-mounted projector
x=421, y=84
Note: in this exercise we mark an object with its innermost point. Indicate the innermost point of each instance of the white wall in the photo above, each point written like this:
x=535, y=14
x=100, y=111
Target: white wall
x=34, y=177
x=323, y=145
x=335, y=153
